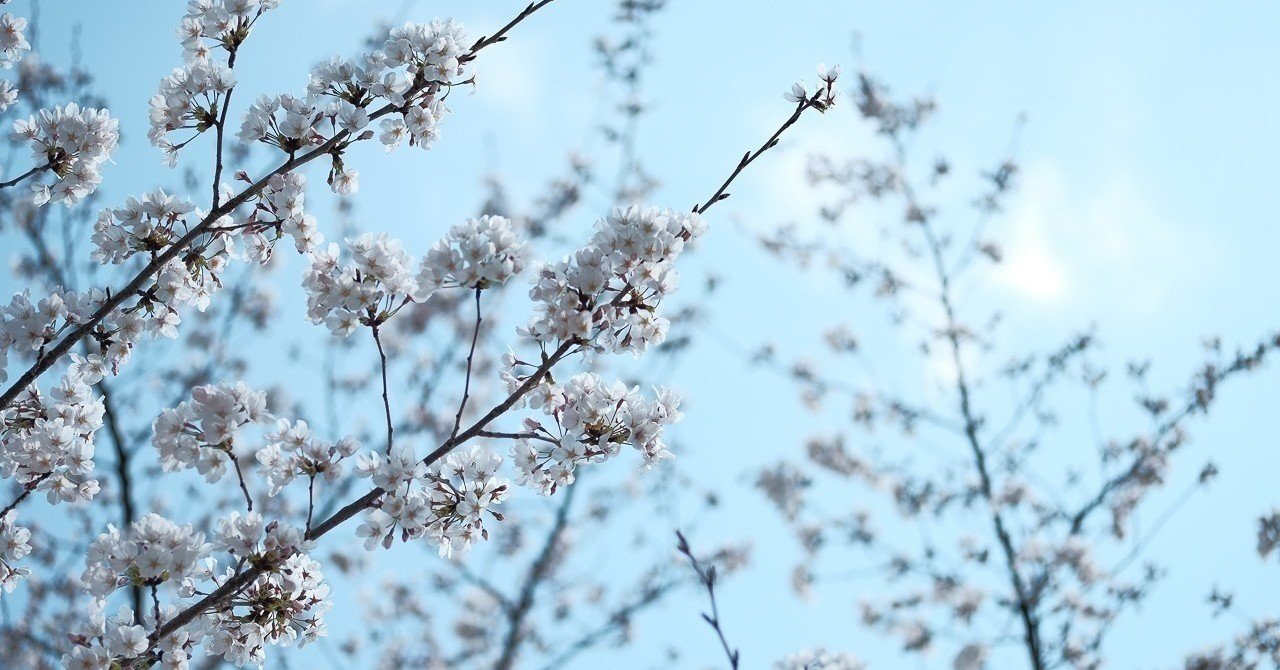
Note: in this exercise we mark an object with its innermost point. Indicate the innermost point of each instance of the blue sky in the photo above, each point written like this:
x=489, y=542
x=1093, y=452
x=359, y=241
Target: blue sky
x=1146, y=204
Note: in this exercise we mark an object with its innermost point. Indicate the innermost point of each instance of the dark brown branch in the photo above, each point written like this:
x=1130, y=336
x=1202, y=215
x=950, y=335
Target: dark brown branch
x=119, y=297
x=239, y=581
x=127, y=514
x=244, y=487
x=219, y=131
x=750, y=157
x=29, y=173
x=386, y=400
x=707, y=576
x=539, y=570
x=466, y=384
x=1025, y=606
x=616, y=620
x=1200, y=396
x=26, y=491
x=311, y=500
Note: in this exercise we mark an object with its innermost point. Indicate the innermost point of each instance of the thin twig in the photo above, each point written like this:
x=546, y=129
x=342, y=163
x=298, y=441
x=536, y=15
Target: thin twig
x=244, y=578
x=466, y=384
x=244, y=487
x=616, y=620
x=707, y=576
x=501, y=35
x=26, y=491
x=311, y=499
x=386, y=400
x=219, y=130
x=539, y=570
x=18, y=179
x=750, y=156
x=161, y=260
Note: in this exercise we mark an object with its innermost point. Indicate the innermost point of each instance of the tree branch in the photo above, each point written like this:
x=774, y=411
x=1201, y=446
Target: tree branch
x=538, y=572
x=119, y=297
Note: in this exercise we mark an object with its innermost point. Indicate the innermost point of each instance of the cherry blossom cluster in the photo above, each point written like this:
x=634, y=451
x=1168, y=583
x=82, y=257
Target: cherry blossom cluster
x=153, y=550
x=47, y=442
x=71, y=143
x=15, y=544
x=148, y=226
x=153, y=224
x=445, y=502
x=432, y=52
x=27, y=327
x=8, y=94
x=825, y=96
x=13, y=43
x=292, y=451
x=279, y=212
x=104, y=641
x=433, y=55
x=283, y=606
x=819, y=659
x=298, y=125
x=367, y=291
x=379, y=280
x=415, y=63
x=201, y=433
x=190, y=98
x=291, y=123
x=194, y=96
x=13, y=46
x=225, y=24
x=592, y=421
x=477, y=253
x=608, y=292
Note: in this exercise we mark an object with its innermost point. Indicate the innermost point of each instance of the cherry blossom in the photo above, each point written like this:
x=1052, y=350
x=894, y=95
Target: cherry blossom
x=165, y=585
x=477, y=253
x=446, y=503
x=13, y=43
x=819, y=659
x=367, y=291
x=292, y=451
x=152, y=551
x=15, y=544
x=72, y=143
x=608, y=292
x=201, y=433
x=592, y=421
x=188, y=99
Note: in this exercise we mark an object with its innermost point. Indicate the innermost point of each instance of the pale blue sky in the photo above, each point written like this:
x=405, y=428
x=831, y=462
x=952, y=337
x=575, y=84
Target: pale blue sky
x=1147, y=205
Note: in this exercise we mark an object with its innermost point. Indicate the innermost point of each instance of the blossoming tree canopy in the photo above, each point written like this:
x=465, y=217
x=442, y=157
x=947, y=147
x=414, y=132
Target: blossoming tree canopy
x=163, y=589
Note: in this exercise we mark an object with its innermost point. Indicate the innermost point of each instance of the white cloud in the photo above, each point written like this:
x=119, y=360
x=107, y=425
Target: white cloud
x=1108, y=250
